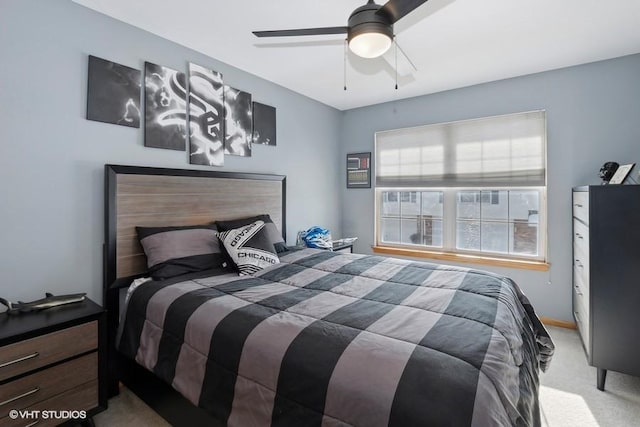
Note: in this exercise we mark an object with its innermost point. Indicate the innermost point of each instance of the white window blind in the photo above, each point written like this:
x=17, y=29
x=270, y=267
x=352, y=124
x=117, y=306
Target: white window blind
x=501, y=151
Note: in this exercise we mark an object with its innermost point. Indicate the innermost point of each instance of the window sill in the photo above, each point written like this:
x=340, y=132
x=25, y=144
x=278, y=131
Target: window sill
x=474, y=259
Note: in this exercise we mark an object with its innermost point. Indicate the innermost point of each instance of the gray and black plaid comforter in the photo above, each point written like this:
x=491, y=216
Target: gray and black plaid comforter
x=343, y=339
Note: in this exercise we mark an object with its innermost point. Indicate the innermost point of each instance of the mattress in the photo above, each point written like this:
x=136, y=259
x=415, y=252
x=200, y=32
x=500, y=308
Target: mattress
x=331, y=339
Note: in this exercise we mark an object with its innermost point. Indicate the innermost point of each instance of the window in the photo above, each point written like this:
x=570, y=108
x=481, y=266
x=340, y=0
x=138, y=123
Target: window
x=412, y=217
x=470, y=187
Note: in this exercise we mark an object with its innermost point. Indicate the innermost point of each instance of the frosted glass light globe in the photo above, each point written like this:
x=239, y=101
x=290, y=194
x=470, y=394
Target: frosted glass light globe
x=370, y=45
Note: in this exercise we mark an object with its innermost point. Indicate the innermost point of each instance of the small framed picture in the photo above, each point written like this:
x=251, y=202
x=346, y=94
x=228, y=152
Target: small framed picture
x=359, y=170
x=621, y=174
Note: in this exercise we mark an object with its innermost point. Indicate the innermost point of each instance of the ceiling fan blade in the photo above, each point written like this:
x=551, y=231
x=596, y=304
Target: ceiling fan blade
x=397, y=9
x=302, y=32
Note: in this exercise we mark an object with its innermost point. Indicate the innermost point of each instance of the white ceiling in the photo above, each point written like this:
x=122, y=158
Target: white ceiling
x=453, y=43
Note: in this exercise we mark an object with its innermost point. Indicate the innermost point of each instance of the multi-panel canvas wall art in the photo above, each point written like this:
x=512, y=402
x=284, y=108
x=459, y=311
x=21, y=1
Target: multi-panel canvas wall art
x=113, y=93
x=206, y=116
x=264, y=124
x=238, y=122
x=165, y=107
x=195, y=107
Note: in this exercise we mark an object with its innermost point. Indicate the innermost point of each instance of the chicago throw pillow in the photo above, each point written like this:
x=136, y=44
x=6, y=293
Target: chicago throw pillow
x=250, y=247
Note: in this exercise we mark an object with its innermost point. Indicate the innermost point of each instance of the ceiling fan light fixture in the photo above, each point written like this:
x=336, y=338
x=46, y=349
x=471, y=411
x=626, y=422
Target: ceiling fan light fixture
x=370, y=44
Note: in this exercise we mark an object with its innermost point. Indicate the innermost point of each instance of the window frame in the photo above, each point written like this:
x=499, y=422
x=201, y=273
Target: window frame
x=449, y=188
x=449, y=224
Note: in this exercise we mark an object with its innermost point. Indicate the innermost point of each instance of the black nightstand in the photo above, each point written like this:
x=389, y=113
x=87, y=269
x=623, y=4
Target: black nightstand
x=343, y=247
x=53, y=360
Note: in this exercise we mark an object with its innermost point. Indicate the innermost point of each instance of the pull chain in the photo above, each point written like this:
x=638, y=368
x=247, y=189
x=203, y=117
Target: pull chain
x=396, y=59
x=345, y=63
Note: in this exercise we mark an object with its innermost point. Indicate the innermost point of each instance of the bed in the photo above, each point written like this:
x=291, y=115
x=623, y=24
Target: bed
x=320, y=338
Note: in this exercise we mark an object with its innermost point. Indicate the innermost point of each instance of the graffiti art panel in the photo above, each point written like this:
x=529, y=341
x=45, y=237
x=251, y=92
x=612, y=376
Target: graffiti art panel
x=165, y=107
x=237, y=122
x=206, y=116
x=264, y=124
x=113, y=93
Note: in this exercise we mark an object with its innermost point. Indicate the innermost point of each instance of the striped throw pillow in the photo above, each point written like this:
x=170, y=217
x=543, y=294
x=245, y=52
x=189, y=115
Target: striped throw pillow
x=269, y=228
x=250, y=247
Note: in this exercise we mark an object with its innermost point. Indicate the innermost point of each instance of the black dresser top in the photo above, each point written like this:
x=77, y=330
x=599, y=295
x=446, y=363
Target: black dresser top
x=19, y=326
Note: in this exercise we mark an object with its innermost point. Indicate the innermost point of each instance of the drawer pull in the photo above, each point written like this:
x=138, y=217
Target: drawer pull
x=20, y=359
x=575, y=314
x=579, y=236
x=577, y=205
x=577, y=290
x=13, y=399
x=579, y=264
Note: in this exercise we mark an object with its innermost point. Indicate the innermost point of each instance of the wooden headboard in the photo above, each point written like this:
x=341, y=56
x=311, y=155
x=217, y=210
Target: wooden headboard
x=144, y=196
x=155, y=197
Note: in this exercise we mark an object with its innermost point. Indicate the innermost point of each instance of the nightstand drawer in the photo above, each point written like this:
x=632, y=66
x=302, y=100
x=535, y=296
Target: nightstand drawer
x=36, y=352
x=26, y=391
x=81, y=398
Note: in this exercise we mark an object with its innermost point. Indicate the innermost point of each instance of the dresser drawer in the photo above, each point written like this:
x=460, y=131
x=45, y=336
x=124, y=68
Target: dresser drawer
x=581, y=299
x=581, y=266
x=81, y=398
x=583, y=329
x=580, y=283
x=581, y=315
x=581, y=236
x=36, y=352
x=581, y=206
x=26, y=391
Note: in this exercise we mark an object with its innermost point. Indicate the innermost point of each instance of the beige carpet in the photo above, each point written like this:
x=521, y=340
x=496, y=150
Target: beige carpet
x=127, y=410
x=568, y=396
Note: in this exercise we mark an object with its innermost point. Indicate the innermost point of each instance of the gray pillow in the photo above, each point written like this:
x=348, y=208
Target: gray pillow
x=172, y=251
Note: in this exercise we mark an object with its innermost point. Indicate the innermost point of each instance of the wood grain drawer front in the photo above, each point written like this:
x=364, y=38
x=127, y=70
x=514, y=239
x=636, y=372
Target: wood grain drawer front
x=26, y=391
x=27, y=355
x=81, y=398
x=581, y=206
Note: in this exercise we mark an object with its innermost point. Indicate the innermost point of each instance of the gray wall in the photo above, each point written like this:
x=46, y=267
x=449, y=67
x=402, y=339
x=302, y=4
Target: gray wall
x=52, y=158
x=51, y=178
x=593, y=116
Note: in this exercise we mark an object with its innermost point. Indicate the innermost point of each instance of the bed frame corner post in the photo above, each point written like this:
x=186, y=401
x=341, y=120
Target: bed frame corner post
x=110, y=295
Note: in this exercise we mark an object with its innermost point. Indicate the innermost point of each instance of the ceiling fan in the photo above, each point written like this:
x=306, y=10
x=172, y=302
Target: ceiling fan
x=369, y=29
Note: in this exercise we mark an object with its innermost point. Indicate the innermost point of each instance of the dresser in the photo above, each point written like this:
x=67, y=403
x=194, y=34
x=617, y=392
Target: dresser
x=52, y=365
x=606, y=276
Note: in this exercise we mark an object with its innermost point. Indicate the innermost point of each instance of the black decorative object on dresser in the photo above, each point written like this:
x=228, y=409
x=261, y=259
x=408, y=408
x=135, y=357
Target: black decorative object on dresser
x=606, y=270
x=53, y=360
